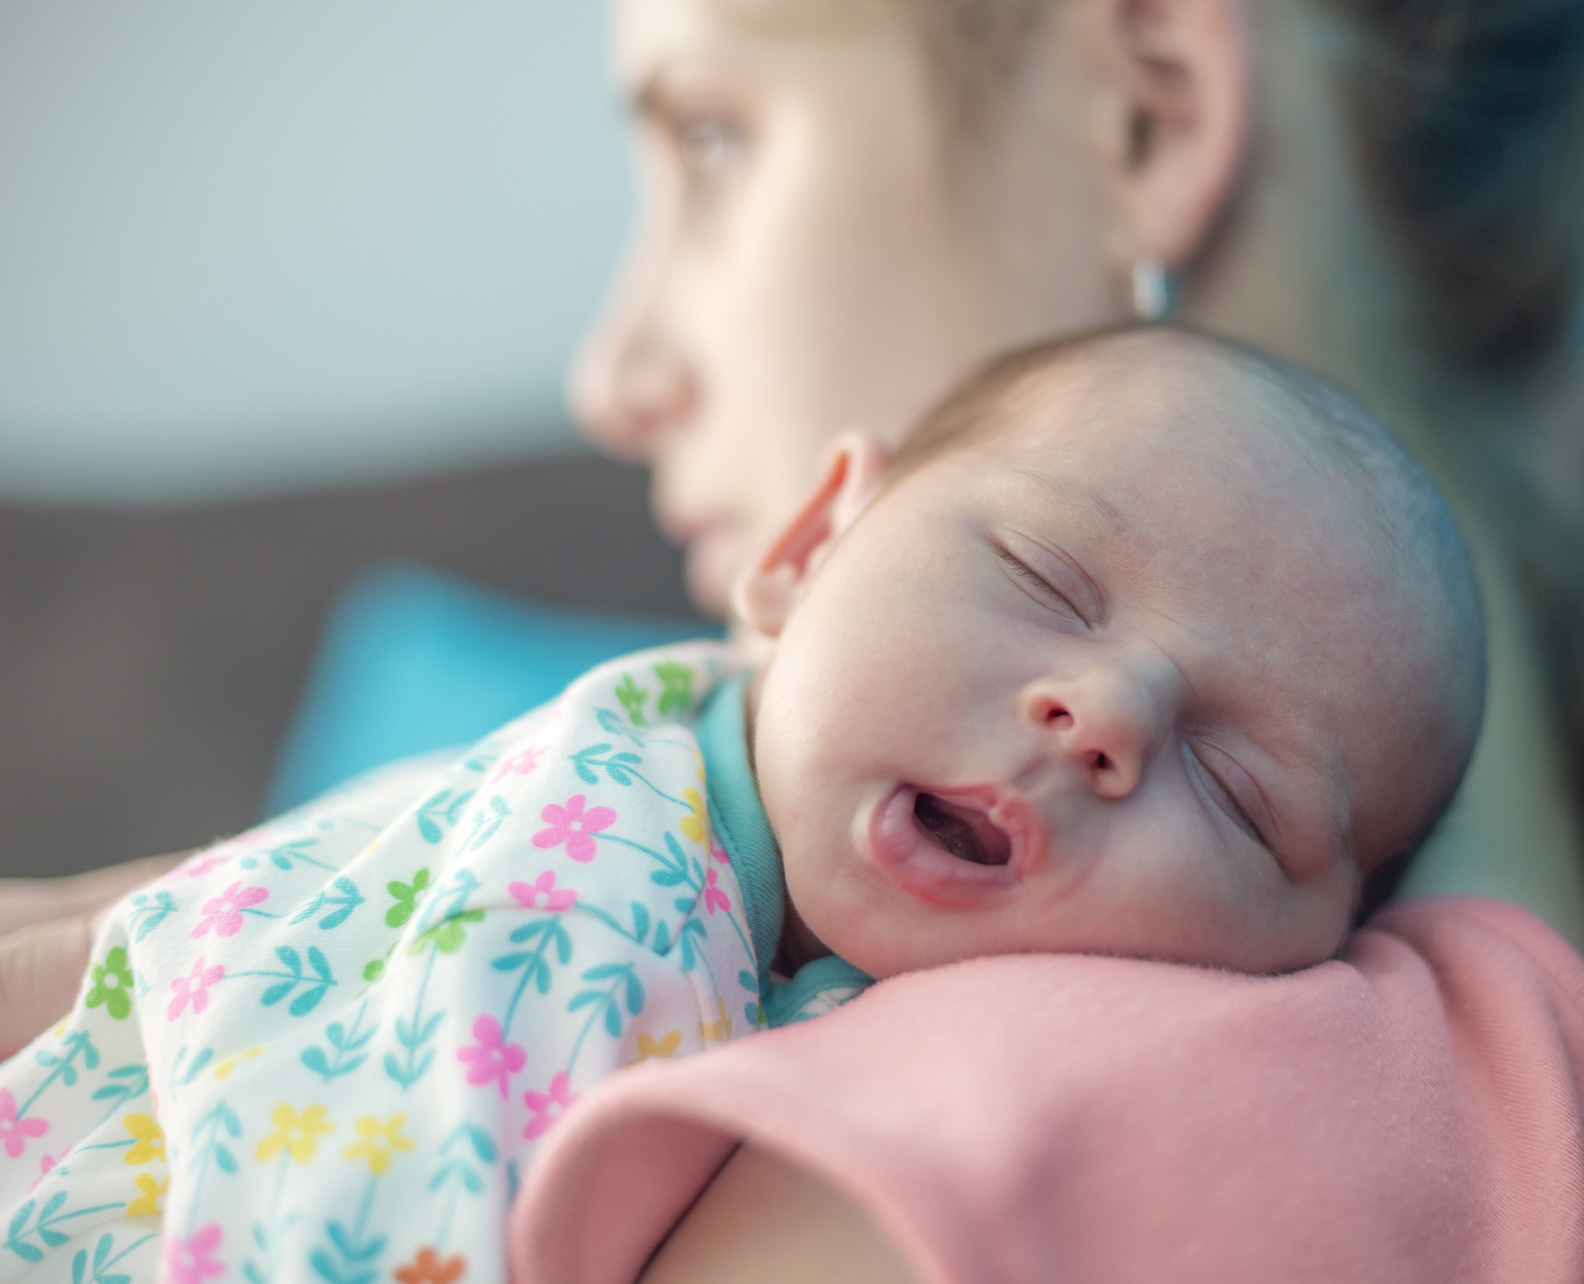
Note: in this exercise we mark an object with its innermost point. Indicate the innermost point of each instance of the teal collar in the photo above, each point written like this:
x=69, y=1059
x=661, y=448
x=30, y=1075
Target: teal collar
x=738, y=817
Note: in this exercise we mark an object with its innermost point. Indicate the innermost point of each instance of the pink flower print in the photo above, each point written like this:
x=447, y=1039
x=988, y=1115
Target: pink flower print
x=492, y=1059
x=718, y=852
x=548, y=1107
x=224, y=912
x=574, y=827
x=193, y=1260
x=521, y=764
x=14, y=1132
x=202, y=864
x=714, y=897
x=46, y=1167
x=543, y=889
x=194, y=988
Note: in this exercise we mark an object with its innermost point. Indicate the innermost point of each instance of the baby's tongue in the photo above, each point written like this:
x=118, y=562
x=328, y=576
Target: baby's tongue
x=965, y=832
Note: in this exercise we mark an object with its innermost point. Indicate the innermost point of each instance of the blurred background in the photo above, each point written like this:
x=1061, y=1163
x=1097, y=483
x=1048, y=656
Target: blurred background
x=287, y=293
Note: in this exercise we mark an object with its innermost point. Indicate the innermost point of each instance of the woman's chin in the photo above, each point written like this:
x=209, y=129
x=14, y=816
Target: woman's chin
x=713, y=558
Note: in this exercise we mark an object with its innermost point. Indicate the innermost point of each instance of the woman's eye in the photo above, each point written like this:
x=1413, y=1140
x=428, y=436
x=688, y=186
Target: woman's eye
x=1225, y=799
x=710, y=145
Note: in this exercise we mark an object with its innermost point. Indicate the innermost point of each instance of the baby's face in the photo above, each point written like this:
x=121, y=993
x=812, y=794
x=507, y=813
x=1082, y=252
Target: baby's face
x=1108, y=682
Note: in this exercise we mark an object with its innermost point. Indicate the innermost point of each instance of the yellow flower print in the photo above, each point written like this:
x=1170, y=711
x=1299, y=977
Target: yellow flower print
x=380, y=1141
x=150, y=1143
x=695, y=826
x=148, y=1203
x=296, y=1134
x=226, y=1065
x=666, y=1047
x=717, y=1031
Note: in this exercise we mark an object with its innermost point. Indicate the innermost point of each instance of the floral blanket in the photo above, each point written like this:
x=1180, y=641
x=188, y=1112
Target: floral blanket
x=324, y=1050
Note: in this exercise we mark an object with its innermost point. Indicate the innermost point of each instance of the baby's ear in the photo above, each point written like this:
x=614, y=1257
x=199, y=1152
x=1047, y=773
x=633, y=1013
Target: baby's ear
x=766, y=593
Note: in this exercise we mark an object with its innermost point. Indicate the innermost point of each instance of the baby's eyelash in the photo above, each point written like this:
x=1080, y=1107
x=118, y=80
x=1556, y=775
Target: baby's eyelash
x=1024, y=571
x=1227, y=801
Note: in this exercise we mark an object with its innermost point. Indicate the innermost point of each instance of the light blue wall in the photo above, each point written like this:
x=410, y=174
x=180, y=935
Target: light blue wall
x=256, y=245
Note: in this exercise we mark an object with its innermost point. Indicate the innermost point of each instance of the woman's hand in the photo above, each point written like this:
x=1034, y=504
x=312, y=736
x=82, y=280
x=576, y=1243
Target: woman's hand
x=46, y=933
x=763, y=1220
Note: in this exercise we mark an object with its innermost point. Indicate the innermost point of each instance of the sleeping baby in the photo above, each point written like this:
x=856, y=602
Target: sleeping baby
x=1143, y=644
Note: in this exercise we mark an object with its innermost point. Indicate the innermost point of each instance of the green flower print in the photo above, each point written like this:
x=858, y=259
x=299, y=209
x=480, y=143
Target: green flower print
x=677, y=680
x=449, y=934
x=406, y=895
x=112, y=985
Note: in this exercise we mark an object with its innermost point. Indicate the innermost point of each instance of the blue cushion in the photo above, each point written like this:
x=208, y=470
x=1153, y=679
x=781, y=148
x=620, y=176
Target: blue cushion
x=414, y=660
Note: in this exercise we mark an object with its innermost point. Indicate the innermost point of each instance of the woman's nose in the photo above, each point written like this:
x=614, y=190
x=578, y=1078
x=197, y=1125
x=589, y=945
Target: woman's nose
x=630, y=388
x=1104, y=726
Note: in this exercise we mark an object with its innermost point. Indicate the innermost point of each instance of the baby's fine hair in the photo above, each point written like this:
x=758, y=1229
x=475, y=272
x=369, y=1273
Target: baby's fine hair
x=1412, y=521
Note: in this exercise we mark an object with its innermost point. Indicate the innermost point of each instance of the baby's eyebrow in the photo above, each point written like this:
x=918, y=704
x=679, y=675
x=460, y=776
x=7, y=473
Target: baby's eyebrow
x=1069, y=489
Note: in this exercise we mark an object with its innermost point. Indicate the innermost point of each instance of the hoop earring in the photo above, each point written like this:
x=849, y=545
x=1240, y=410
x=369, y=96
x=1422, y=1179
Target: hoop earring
x=1152, y=291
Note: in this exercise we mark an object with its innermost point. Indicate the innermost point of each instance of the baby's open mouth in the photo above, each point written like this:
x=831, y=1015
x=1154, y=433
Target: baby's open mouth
x=965, y=832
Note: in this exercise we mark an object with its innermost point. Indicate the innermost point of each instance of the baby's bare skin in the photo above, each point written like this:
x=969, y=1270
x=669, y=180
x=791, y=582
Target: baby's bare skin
x=1136, y=667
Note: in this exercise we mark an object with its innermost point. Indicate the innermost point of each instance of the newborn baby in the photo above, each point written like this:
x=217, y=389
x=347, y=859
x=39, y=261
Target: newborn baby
x=1142, y=644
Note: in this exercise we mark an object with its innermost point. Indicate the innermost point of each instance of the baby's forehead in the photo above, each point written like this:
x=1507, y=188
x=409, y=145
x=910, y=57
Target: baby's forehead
x=1198, y=445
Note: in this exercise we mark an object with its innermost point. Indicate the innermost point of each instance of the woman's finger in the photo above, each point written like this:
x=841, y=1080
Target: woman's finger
x=24, y=901
x=41, y=967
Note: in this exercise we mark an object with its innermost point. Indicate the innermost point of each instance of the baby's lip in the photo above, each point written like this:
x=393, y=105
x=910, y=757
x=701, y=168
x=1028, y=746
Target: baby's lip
x=907, y=853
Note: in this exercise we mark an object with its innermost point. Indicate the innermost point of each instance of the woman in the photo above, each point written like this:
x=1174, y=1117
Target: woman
x=852, y=202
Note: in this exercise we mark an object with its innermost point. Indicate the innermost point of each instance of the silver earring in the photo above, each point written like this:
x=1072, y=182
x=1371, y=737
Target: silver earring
x=1151, y=289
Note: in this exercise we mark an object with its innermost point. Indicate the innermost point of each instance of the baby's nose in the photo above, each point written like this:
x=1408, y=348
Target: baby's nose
x=1104, y=725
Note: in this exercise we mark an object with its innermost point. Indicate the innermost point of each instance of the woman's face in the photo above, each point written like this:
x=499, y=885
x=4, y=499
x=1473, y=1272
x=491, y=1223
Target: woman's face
x=818, y=251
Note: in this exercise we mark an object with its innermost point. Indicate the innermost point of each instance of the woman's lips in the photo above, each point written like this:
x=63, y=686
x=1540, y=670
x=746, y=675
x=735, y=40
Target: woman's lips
x=910, y=851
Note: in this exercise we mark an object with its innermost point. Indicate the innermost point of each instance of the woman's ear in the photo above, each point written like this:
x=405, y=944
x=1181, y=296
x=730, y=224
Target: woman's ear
x=766, y=593
x=1174, y=120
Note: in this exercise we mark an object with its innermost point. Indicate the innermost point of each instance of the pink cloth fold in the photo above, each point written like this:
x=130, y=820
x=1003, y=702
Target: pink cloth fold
x=1409, y=1112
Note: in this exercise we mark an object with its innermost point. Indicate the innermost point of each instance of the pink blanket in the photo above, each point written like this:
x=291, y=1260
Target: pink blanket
x=1410, y=1112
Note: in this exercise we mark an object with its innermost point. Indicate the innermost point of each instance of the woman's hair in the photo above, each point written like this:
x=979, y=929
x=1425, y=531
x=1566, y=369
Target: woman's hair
x=1462, y=115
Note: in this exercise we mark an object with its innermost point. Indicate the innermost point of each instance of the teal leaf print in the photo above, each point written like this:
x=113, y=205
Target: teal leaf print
x=676, y=695
x=76, y=1043
x=348, y=1045
x=618, y=766
x=355, y=1256
x=633, y=698
x=674, y=867
x=440, y=812
x=547, y=931
x=131, y=1083
x=148, y=912
x=208, y=1139
x=412, y=1035
x=662, y=940
x=690, y=929
x=102, y=1262
x=614, y=726
x=604, y=1001
x=343, y=895
x=311, y=989
x=50, y=1216
x=406, y=896
x=287, y=855
x=486, y=823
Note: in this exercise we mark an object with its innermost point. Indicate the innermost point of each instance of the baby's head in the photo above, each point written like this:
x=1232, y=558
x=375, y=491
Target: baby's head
x=1143, y=644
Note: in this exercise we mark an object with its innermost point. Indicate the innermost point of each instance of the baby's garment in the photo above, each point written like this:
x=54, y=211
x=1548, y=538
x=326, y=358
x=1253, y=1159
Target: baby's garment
x=326, y=1049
